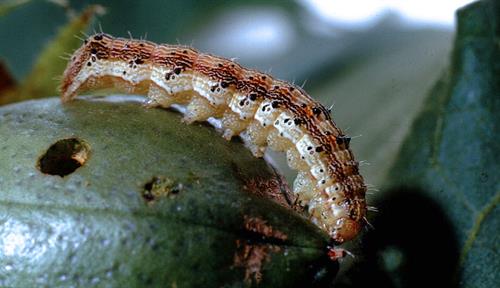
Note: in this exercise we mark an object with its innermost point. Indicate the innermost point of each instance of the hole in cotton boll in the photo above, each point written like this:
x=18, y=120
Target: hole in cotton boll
x=64, y=157
x=159, y=187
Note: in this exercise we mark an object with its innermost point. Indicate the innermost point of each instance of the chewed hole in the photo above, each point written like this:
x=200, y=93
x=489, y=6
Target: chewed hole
x=159, y=187
x=64, y=157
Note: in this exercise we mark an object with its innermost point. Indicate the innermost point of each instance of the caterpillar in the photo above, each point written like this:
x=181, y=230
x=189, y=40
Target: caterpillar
x=262, y=110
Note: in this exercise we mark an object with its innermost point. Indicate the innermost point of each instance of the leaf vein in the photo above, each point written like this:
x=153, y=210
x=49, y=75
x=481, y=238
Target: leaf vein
x=474, y=231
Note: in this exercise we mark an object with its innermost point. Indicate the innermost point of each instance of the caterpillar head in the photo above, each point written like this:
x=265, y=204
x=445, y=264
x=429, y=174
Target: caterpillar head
x=80, y=65
x=346, y=229
x=342, y=211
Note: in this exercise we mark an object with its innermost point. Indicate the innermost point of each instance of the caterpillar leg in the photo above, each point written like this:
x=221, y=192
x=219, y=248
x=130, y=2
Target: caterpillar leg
x=258, y=133
x=302, y=187
x=232, y=124
x=277, y=142
x=199, y=109
x=160, y=97
x=295, y=161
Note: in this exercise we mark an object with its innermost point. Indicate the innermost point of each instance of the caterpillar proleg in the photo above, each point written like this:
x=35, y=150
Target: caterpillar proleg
x=264, y=111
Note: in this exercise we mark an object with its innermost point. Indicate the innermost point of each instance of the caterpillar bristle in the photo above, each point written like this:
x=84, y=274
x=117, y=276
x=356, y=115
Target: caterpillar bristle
x=263, y=111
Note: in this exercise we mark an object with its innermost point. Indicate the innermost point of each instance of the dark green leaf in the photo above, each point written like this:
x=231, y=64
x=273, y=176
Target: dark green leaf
x=452, y=153
x=439, y=217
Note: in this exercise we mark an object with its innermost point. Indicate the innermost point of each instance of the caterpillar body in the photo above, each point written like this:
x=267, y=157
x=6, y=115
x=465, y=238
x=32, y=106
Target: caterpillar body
x=263, y=111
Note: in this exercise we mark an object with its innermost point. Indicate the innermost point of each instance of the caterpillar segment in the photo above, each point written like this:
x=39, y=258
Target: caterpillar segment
x=265, y=112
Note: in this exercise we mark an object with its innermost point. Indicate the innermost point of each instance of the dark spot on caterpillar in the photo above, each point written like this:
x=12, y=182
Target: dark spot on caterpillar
x=139, y=61
x=303, y=111
x=264, y=107
x=343, y=140
x=93, y=51
x=89, y=64
x=316, y=111
x=98, y=37
x=321, y=170
x=141, y=44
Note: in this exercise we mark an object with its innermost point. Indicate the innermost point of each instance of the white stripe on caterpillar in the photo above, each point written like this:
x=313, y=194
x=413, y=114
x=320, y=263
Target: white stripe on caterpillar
x=263, y=111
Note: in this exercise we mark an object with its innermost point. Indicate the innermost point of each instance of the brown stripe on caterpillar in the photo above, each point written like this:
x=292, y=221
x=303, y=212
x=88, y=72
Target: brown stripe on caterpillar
x=263, y=111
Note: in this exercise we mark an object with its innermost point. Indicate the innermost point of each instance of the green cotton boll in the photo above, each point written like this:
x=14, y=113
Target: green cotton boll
x=104, y=192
